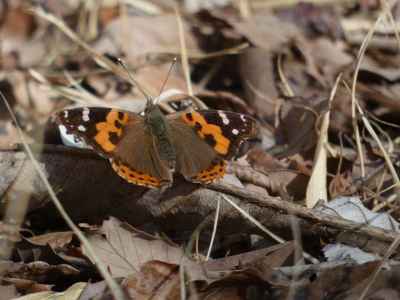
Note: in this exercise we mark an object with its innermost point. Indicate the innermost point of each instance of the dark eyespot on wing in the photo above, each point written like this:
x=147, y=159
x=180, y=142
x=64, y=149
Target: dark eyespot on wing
x=118, y=124
x=113, y=138
x=209, y=138
x=198, y=126
x=189, y=116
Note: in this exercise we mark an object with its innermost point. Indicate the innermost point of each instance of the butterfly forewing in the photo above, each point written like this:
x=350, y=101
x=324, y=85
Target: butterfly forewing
x=100, y=127
x=222, y=130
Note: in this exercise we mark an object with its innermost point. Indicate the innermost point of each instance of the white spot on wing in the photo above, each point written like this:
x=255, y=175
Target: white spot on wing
x=235, y=131
x=85, y=114
x=82, y=128
x=224, y=118
x=243, y=118
x=65, y=114
x=71, y=139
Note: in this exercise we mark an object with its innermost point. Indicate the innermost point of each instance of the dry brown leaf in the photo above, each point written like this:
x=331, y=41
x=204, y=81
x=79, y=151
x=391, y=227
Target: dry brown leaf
x=317, y=189
x=72, y=293
x=258, y=81
x=124, y=251
x=266, y=31
x=299, y=113
x=54, y=239
x=27, y=286
x=317, y=186
x=155, y=280
x=8, y=292
x=138, y=37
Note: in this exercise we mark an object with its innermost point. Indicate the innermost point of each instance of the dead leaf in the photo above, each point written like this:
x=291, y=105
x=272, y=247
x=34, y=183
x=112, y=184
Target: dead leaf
x=155, y=280
x=94, y=291
x=8, y=292
x=17, y=23
x=138, y=37
x=314, y=20
x=214, y=270
x=125, y=250
x=317, y=186
x=72, y=293
x=54, y=239
x=258, y=81
x=302, y=114
x=27, y=286
x=265, y=31
x=38, y=275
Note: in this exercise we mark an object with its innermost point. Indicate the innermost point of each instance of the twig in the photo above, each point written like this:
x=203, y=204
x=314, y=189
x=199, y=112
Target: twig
x=396, y=241
x=317, y=217
x=214, y=232
x=361, y=53
x=262, y=228
x=100, y=59
x=145, y=6
x=184, y=56
x=185, y=60
x=288, y=90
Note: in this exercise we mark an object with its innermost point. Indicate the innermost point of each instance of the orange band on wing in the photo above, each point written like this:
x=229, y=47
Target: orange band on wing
x=212, y=173
x=195, y=119
x=135, y=177
x=112, y=125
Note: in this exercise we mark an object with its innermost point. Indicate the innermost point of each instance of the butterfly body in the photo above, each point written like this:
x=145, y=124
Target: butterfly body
x=158, y=127
x=148, y=150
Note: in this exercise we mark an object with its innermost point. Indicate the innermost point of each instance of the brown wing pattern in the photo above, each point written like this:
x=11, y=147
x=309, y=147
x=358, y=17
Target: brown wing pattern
x=196, y=160
x=137, y=160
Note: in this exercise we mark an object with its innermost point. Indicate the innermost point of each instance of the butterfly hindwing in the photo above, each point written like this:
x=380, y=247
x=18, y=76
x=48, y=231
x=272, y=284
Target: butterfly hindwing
x=215, y=171
x=193, y=155
x=137, y=159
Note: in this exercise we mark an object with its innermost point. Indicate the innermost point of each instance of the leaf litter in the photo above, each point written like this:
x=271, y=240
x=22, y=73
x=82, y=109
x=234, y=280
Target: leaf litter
x=320, y=140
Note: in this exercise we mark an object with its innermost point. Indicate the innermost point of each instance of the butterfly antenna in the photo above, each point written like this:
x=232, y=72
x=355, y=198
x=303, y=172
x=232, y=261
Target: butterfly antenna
x=134, y=82
x=168, y=74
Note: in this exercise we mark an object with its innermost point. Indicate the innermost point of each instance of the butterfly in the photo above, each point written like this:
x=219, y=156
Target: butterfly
x=147, y=150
